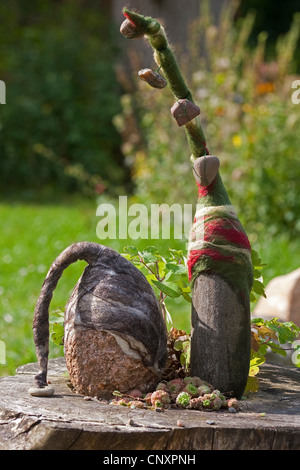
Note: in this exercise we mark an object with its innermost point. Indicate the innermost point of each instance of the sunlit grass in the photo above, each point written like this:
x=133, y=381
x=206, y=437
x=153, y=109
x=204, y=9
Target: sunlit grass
x=32, y=236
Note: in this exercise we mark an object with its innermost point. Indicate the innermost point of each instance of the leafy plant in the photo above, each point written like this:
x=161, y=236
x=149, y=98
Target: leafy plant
x=271, y=334
x=258, y=288
x=179, y=347
x=266, y=334
x=57, y=327
x=167, y=275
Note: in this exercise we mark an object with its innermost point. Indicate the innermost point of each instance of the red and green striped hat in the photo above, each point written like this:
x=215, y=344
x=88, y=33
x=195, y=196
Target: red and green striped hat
x=218, y=242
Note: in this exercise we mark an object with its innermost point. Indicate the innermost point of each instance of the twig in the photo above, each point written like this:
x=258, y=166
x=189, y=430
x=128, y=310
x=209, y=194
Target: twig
x=166, y=61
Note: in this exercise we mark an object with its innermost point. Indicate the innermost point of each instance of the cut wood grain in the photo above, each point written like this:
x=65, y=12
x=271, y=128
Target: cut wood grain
x=269, y=420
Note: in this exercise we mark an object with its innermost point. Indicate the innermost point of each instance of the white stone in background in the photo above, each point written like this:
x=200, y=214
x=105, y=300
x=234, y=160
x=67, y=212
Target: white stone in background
x=283, y=299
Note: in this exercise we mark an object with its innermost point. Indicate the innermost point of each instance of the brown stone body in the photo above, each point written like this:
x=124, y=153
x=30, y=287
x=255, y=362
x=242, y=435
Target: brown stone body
x=184, y=111
x=106, y=367
x=115, y=335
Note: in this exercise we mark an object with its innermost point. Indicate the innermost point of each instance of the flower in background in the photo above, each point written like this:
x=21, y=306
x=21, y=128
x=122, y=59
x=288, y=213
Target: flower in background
x=265, y=87
x=237, y=141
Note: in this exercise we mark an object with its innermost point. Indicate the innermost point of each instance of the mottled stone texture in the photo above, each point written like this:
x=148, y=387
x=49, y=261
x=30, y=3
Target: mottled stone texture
x=115, y=334
x=220, y=344
x=184, y=111
x=206, y=169
x=97, y=365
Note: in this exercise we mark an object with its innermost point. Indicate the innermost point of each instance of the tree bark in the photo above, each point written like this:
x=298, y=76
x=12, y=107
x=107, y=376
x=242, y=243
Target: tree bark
x=220, y=343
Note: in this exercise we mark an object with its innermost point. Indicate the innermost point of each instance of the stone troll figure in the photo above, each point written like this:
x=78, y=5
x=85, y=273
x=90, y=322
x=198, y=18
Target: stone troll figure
x=219, y=253
x=115, y=334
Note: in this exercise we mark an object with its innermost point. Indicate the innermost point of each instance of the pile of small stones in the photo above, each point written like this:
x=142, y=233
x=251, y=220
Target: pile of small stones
x=189, y=393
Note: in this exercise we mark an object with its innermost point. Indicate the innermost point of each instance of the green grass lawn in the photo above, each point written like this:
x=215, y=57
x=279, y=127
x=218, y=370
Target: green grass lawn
x=32, y=237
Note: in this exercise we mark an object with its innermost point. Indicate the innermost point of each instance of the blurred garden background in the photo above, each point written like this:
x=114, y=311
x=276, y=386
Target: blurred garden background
x=79, y=129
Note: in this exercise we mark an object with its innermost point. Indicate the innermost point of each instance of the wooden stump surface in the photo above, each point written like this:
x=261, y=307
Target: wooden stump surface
x=270, y=419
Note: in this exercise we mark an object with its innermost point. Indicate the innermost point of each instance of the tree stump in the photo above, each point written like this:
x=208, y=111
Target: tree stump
x=270, y=420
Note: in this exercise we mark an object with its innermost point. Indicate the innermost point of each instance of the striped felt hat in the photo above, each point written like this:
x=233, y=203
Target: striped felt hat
x=218, y=242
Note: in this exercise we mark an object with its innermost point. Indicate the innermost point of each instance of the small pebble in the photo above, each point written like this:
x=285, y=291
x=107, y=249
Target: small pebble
x=208, y=421
x=103, y=400
x=136, y=393
x=153, y=78
x=41, y=392
x=130, y=422
x=232, y=410
x=180, y=423
x=86, y=398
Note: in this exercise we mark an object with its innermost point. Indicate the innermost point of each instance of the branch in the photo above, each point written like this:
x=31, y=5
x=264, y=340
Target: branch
x=136, y=26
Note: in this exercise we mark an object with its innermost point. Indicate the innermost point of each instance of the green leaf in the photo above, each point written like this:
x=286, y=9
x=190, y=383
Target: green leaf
x=294, y=329
x=257, y=273
x=161, y=265
x=57, y=333
x=286, y=335
x=296, y=353
x=180, y=279
x=252, y=385
x=258, y=288
x=277, y=349
x=185, y=356
x=148, y=257
x=187, y=297
x=167, y=276
x=166, y=289
x=258, y=321
x=60, y=314
x=130, y=250
x=176, y=255
x=151, y=249
x=150, y=278
x=185, y=288
x=286, y=331
x=176, y=268
x=178, y=345
x=256, y=359
x=256, y=260
x=263, y=348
